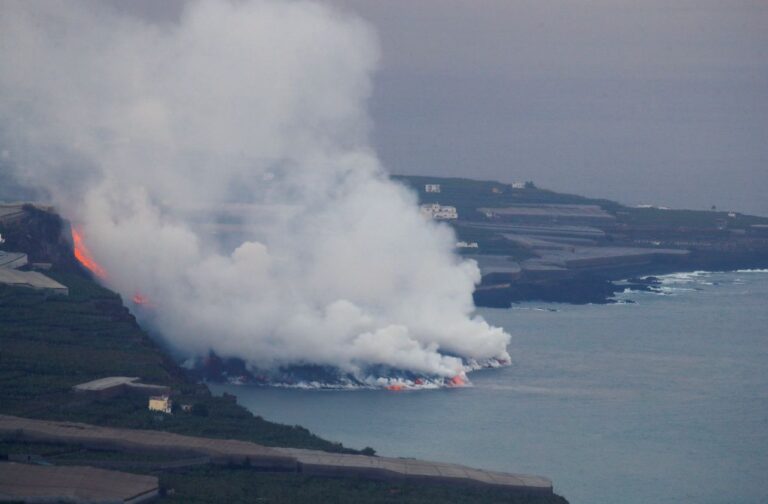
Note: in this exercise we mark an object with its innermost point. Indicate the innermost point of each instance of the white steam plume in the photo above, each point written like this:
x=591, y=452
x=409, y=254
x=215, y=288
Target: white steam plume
x=148, y=135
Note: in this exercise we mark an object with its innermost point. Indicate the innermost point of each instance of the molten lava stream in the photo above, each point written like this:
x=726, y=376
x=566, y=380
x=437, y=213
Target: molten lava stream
x=84, y=257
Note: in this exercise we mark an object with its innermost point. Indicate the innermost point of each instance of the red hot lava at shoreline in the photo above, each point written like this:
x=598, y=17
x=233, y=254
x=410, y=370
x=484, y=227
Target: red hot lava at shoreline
x=84, y=257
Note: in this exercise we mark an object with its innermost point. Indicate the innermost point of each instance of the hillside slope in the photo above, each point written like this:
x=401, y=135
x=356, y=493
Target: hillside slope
x=50, y=343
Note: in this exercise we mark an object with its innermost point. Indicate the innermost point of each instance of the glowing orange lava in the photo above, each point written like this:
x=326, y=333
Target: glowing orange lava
x=83, y=255
x=395, y=388
x=457, y=381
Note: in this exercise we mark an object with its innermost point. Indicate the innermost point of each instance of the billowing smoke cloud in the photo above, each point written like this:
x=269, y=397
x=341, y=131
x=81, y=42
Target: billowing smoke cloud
x=220, y=166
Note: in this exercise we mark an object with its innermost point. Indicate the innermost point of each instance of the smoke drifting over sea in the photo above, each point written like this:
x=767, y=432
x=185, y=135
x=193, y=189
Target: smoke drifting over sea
x=248, y=116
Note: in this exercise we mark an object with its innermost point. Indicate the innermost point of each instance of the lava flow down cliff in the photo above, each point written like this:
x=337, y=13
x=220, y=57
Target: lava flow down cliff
x=84, y=256
x=219, y=165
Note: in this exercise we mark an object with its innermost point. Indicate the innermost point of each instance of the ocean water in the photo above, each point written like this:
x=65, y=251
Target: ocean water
x=661, y=401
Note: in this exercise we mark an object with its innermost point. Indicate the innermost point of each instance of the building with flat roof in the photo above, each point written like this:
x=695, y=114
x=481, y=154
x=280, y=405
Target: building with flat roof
x=12, y=276
x=32, y=280
x=560, y=214
x=12, y=260
x=231, y=451
x=112, y=386
x=438, y=212
x=37, y=483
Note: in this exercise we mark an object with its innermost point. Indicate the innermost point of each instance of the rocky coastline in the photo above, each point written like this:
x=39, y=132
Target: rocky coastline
x=602, y=287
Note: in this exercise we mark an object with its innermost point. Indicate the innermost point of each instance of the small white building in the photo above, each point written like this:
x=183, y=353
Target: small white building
x=518, y=185
x=163, y=404
x=464, y=244
x=438, y=212
x=432, y=188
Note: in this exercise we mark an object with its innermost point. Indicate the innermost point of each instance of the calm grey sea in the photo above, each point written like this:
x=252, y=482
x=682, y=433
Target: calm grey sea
x=664, y=400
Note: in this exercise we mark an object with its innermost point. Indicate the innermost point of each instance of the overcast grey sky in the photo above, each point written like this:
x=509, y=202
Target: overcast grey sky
x=644, y=101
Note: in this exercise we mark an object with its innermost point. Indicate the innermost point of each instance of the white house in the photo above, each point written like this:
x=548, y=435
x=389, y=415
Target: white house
x=518, y=185
x=438, y=212
x=432, y=188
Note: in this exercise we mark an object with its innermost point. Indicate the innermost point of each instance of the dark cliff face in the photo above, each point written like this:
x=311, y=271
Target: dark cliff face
x=580, y=290
x=601, y=287
x=44, y=236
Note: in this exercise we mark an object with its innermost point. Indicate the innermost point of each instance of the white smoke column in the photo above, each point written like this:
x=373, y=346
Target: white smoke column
x=140, y=131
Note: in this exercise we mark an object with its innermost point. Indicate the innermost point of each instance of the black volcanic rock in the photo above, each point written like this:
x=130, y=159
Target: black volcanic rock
x=44, y=236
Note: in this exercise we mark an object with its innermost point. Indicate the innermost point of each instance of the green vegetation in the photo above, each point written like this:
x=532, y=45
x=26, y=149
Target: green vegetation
x=695, y=219
x=12, y=447
x=468, y=195
x=237, y=485
x=49, y=344
x=64, y=453
x=490, y=242
x=216, y=484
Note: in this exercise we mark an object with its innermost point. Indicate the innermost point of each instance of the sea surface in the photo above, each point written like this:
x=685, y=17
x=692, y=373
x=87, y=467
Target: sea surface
x=664, y=400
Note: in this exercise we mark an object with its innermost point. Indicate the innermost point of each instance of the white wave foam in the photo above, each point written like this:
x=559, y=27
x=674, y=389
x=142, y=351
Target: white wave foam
x=393, y=383
x=686, y=277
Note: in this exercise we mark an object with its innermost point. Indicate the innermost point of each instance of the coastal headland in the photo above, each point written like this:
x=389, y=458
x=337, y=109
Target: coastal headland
x=535, y=244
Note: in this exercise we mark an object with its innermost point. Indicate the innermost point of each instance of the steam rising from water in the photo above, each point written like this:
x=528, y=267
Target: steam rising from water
x=244, y=116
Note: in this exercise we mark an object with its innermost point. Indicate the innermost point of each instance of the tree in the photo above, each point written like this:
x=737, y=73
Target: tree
x=199, y=409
